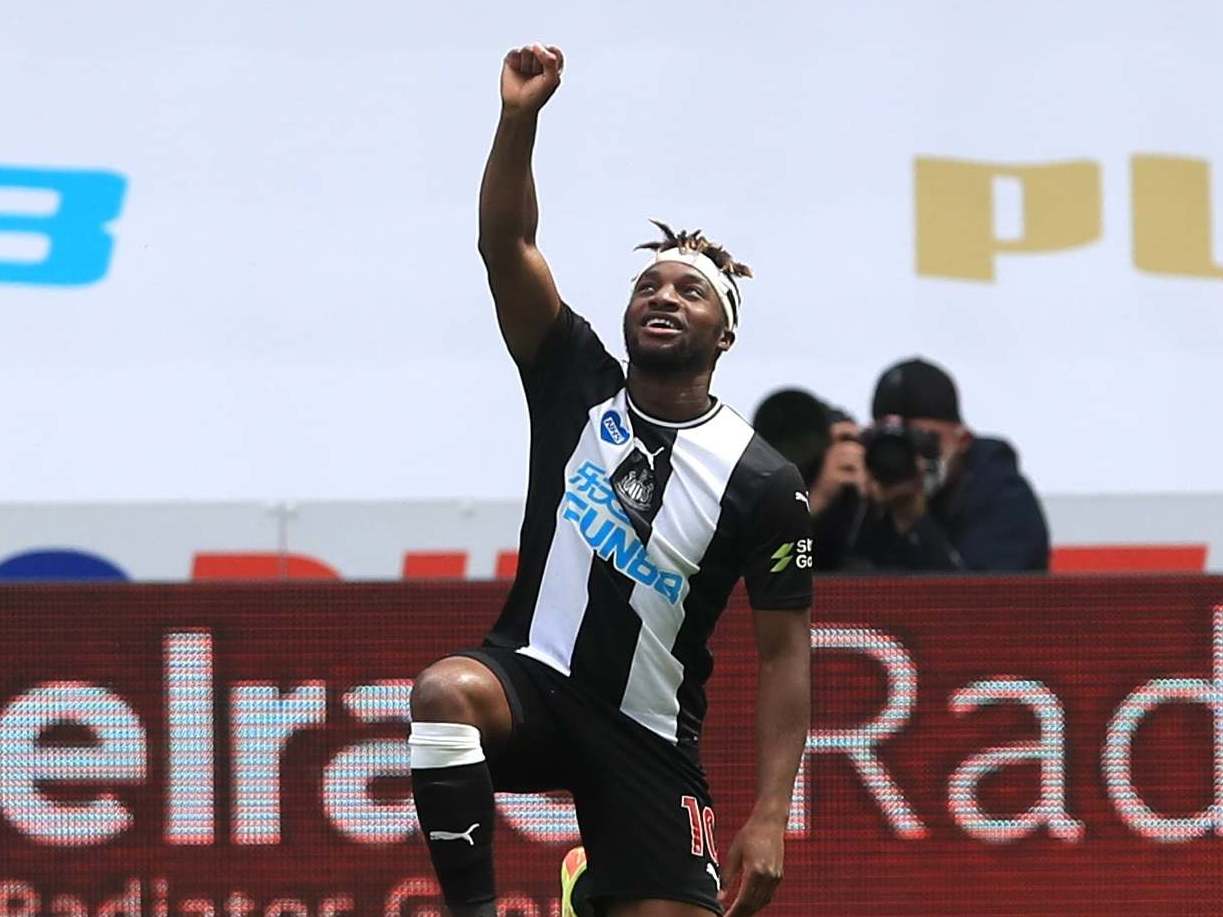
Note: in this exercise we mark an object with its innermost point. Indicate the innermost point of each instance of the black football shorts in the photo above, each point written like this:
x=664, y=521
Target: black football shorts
x=643, y=805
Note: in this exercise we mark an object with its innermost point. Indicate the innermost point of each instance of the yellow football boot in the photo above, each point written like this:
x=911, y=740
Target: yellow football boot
x=572, y=867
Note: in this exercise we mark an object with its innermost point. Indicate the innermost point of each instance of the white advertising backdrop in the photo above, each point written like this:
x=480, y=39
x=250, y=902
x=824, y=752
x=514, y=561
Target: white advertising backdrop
x=295, y=307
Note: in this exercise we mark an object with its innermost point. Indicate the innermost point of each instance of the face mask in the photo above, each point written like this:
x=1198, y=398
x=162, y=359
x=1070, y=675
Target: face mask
x=935, y=477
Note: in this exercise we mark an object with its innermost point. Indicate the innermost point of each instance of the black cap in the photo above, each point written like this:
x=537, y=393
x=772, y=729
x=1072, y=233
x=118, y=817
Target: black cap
x=916, y=388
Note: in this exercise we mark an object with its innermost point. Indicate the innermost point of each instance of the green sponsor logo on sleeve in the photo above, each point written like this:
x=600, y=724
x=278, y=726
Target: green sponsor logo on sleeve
x=782, y=557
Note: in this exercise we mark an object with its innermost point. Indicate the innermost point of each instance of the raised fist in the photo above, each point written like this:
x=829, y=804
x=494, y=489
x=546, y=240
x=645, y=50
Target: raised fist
x=529, y=77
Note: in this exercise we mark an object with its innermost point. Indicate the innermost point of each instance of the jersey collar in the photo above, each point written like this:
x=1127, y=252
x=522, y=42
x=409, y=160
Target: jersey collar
x=670, y=424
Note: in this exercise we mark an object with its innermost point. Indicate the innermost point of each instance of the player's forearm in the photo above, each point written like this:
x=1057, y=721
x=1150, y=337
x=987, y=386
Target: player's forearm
x=783, y=716
x=509, y=213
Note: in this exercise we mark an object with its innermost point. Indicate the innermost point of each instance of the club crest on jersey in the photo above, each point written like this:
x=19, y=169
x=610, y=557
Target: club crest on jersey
x=612, y=429
x=636, y=489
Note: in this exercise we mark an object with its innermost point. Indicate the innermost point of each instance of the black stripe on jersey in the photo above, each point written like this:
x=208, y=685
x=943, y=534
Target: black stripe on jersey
x=607, y=639
x=647, y=465
x=709, y=589
x=721, y=568
x=608, y=635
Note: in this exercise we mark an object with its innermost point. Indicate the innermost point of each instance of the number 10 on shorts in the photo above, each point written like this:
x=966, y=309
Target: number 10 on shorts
x=701, y=824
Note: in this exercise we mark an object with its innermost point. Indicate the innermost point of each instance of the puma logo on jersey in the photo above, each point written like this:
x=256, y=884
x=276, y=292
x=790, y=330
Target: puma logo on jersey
x=801, y=498
x=649, y=456
x=713, y=873
x=454, y=835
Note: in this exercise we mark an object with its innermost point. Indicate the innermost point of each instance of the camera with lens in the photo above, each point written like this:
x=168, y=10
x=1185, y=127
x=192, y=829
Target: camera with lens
x=893, y=450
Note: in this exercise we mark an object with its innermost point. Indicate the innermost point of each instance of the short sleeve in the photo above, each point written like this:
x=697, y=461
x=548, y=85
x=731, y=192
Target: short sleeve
x=570, y=359
x=779, y=558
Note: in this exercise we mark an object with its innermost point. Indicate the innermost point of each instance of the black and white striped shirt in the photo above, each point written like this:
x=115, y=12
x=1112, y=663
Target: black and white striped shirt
x=636, y=530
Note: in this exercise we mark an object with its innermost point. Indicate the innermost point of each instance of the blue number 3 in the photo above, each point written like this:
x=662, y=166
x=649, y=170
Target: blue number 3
x=80, y=246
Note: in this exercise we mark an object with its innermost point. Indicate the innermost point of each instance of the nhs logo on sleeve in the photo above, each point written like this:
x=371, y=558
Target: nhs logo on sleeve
x=612, y=429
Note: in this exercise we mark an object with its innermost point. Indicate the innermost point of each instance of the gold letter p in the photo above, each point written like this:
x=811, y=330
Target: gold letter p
x=955, y=213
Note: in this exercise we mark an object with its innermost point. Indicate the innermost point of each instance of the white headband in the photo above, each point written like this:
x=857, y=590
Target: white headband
x=723, y=285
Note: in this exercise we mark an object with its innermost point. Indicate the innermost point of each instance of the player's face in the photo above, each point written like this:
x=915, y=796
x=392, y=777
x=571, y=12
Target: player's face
x=674, y=321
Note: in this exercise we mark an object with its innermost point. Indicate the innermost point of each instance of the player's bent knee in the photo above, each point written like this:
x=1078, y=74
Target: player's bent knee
x=458, y=690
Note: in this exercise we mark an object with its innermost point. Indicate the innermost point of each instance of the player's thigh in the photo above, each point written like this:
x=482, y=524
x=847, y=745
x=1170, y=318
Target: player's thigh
x=533, y=755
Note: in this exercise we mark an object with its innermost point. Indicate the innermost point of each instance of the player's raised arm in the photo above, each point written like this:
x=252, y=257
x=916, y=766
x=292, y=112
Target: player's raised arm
x=522, y=284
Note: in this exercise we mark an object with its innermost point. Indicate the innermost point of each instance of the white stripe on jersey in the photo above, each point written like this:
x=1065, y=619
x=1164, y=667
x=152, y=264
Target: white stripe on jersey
x=563, y=590
x=702, y=461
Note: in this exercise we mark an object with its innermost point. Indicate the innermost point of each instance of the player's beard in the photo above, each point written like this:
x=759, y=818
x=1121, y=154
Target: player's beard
x=685, y=357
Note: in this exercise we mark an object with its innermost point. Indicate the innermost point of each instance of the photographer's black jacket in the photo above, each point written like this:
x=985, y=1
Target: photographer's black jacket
x=987, y=520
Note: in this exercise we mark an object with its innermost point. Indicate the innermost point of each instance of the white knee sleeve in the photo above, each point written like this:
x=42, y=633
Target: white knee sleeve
x=444, y=745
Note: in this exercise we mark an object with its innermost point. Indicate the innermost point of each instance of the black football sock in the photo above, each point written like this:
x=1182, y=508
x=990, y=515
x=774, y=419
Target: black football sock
x=455, y=808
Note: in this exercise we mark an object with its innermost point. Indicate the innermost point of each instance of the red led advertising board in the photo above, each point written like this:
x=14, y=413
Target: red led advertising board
x=1042, y=745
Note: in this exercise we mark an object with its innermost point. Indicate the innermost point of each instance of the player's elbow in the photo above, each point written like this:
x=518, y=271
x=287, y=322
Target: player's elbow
x=783, y=658
x=485, y=247
x=497, y=249
x=783, y=637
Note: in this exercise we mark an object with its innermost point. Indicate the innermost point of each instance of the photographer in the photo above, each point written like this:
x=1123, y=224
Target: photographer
x=822, y=441
x=939, y=497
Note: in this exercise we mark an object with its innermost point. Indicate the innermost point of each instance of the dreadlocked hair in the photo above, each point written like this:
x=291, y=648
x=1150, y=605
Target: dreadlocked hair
x=695, y=242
